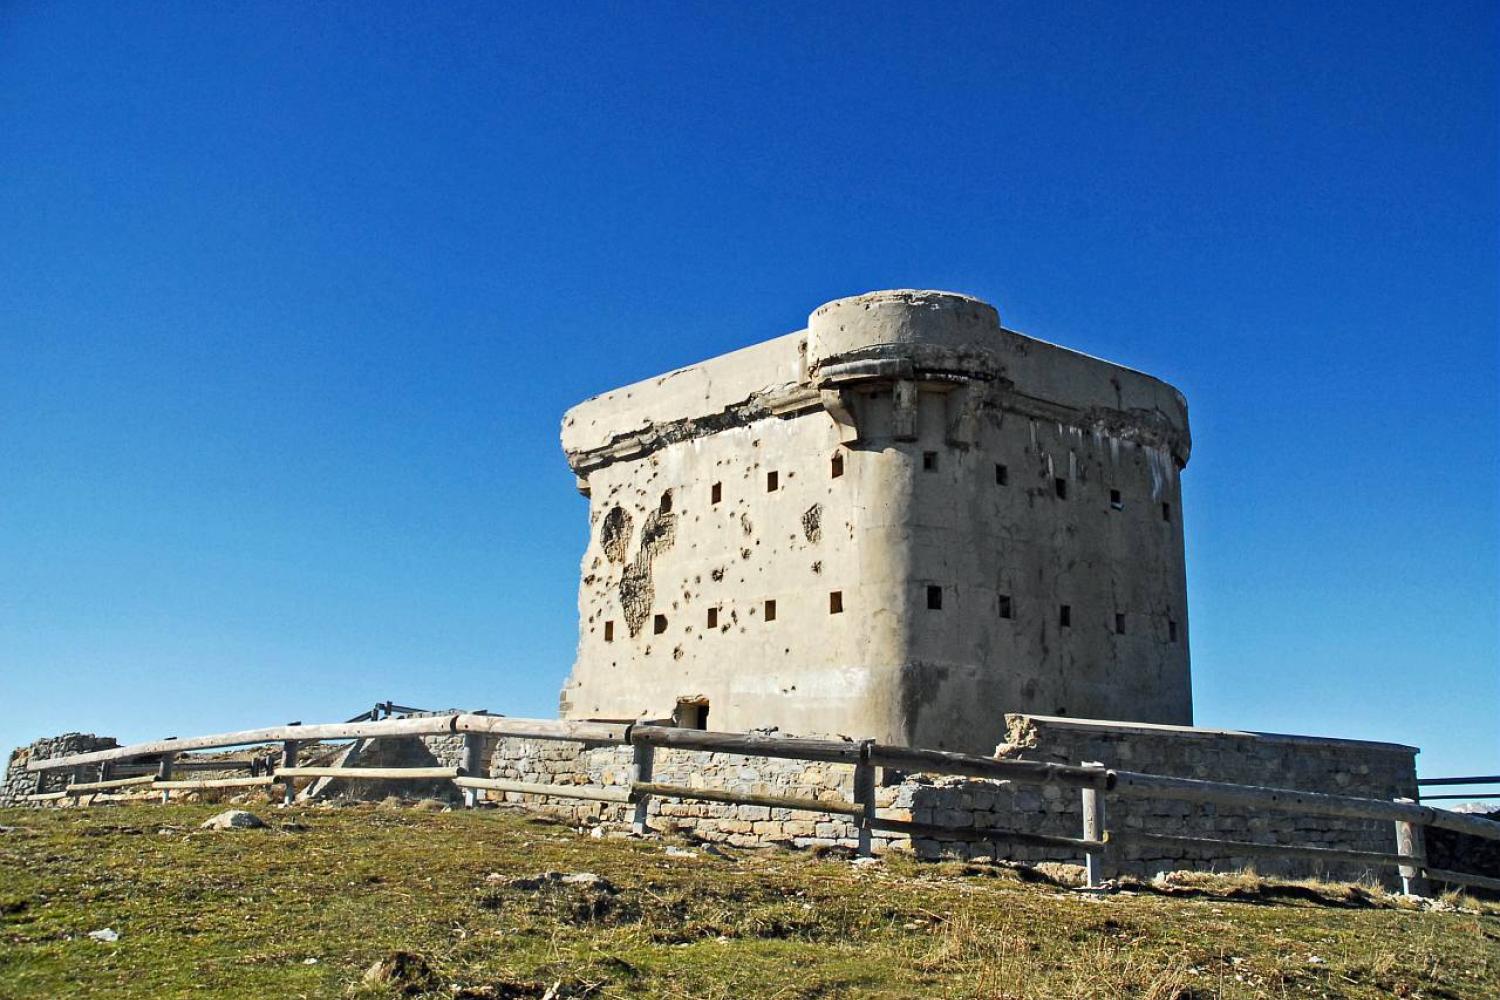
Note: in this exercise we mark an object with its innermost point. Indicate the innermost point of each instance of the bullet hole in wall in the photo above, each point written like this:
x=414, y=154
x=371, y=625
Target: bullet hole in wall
x=934, y=597
x=812, y=523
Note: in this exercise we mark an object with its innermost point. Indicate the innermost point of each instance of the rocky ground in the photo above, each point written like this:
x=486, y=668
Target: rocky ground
x=385, y=901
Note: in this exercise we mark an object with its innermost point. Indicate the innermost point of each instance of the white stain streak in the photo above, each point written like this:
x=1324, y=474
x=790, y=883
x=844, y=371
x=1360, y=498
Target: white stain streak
x=1163, y=469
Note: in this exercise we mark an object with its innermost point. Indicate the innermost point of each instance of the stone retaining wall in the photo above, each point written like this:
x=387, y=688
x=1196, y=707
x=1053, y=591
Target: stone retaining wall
x=20, y=782
x=1348, y=767
x=1373, y=770
x=441, y=750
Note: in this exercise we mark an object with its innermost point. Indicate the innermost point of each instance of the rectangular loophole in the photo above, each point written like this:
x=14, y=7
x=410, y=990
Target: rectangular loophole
x=770, y=611
x=1006, y=609
x=1065, y=615
x=836, y=467
x=1060, y=487
x=773, y=482
x=1116, y=500
x=713, y=617
x=1002, y=475
x=692, y=715
x=836, y=602
x=1166, y=512
x=1119, y=623
x=934, y=597
x=716, y=493
x=1171, y=631
x=665, y=506
x=929, y=461
x=609, y=631
x=658, y=624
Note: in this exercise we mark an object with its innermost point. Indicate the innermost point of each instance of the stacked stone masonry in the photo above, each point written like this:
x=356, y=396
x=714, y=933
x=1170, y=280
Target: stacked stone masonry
x=20, y=782
x=1346, y=767
x=444, y=750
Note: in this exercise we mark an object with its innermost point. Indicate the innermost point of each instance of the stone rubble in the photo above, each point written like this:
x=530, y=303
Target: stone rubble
x=233, y=819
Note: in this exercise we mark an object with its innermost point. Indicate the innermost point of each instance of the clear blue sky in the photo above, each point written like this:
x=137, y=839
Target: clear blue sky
x=292, y=298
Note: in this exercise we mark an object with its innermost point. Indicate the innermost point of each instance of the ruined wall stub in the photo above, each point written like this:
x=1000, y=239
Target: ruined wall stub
x=902, y=523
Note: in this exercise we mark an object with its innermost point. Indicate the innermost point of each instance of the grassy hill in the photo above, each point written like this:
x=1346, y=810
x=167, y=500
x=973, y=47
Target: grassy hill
x=458, y=905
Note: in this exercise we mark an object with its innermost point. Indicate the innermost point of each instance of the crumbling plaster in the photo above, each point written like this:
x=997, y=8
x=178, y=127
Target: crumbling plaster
x=969, y=458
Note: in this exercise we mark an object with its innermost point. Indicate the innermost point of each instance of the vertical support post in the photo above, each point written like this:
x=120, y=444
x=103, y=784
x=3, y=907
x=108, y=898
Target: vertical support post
x=164, y=773
x=640, y=770
x=864, y=797
x=106, y=772
x=1094, y=827
x=289, y=759
x=1411, y=841
x=472, y=766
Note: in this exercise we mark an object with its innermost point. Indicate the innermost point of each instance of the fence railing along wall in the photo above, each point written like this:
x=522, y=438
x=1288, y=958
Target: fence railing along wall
x=1095, y=784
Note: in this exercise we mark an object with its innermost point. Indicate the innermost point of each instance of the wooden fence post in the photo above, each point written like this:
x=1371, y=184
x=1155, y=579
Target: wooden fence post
x=864, y=797
x=472, y=766
x=1411, y=840
x=164, y=773
x=1094, y=828
x=641, y=771
x=289, y=759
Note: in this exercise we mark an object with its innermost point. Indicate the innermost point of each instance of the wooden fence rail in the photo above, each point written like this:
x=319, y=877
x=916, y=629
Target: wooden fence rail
x=1094, y=782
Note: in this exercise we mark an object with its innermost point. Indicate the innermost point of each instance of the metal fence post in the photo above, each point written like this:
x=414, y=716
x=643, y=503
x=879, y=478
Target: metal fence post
x=289, y=759
x=1411, y=841
x=472, y=765
x=164, y=773
x=1094, y=828
x=864, y=796
x=641, y=771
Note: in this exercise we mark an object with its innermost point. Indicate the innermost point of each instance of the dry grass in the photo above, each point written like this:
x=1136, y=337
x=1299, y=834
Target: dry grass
x=443, y=903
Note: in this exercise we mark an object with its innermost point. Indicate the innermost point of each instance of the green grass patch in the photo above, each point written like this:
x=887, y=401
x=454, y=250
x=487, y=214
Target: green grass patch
x=452, y=904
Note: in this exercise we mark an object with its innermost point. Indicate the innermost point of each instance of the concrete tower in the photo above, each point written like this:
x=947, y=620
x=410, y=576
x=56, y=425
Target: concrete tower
x=901, y=523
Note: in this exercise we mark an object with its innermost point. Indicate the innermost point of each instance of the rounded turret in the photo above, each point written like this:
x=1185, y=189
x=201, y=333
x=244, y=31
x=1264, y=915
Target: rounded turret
x=922, y=326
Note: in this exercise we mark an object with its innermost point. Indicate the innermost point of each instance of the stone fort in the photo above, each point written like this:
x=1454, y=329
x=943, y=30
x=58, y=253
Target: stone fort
x=909, y=524
x=902, y=522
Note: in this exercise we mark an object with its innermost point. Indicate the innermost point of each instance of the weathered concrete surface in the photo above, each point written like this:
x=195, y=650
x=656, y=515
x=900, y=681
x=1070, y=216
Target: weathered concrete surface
x=902, y=452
